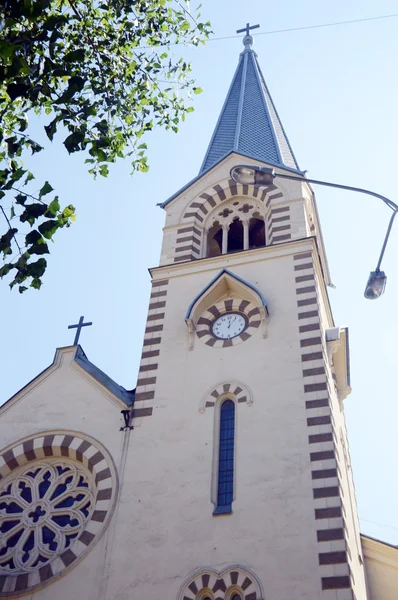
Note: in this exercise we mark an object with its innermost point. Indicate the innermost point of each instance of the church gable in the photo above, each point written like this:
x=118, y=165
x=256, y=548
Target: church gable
x=68, y=394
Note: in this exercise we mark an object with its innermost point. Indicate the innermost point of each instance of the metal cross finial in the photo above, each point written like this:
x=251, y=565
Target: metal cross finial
x=78, y=326
x=246, y=29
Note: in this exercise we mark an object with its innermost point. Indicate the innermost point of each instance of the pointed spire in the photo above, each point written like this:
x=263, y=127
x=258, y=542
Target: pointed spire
x=249, y=123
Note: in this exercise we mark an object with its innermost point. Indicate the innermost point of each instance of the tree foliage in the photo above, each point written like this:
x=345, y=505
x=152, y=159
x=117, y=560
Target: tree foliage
x=102, y=74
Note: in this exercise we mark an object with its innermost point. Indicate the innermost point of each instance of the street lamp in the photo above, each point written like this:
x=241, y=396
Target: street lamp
x=264, y=176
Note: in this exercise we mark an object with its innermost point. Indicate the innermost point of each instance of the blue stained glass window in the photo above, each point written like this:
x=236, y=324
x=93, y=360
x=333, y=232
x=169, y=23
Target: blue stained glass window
x=225, y=489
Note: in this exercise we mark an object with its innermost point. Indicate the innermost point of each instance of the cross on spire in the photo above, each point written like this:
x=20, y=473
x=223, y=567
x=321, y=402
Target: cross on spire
x=78, y=327
x=247, y=29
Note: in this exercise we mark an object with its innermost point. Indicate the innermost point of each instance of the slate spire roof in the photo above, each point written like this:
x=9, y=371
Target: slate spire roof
x=249, y=123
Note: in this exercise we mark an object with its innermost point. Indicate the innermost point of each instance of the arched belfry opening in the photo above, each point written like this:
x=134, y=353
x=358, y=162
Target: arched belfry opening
x=235, y=236
x=256, y=232
x=234, y=226
x=214, y=240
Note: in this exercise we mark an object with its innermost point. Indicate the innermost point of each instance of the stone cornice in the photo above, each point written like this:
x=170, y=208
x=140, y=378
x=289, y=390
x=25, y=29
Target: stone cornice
x=380, y=551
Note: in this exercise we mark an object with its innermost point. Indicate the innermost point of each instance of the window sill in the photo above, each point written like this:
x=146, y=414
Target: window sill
x=223, y=510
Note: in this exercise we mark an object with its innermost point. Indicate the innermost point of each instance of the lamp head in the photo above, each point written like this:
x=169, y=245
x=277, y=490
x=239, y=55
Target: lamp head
x=249, y=175
x=376, y=285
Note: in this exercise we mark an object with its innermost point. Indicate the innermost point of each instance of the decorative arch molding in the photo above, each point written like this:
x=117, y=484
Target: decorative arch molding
x=226, y=292
x=239, y=391
x=39, y=476
x=207, y=201
x=220, y=584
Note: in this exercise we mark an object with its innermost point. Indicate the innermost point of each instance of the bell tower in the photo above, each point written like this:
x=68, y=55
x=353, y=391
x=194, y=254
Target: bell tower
x=239, y=472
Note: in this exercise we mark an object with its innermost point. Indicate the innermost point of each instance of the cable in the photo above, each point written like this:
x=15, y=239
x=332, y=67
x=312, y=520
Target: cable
x=273, y=31
x=380, y=524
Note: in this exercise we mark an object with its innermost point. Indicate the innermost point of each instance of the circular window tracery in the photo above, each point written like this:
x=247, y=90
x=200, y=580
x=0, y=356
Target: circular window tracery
x=57, y=494
x=44, y=508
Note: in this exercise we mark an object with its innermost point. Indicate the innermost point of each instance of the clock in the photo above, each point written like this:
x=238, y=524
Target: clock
x=229, y=325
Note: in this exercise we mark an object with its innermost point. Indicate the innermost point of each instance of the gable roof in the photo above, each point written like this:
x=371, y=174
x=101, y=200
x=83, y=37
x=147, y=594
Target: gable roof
x=249, y=123
x=221, y=274
x=126, y=396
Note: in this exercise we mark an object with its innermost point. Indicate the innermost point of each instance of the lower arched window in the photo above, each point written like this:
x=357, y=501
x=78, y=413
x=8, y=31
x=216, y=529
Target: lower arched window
x=225, y=484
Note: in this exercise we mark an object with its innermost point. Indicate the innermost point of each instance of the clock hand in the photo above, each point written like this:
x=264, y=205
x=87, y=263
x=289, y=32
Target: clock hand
x=231, y=322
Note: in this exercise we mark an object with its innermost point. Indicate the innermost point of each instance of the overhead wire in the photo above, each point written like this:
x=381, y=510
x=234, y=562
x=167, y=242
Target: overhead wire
x=380, y=524
x=287, y=30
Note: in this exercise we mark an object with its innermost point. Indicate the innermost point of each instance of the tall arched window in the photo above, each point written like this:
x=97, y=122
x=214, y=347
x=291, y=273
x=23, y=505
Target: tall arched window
x=225, y=487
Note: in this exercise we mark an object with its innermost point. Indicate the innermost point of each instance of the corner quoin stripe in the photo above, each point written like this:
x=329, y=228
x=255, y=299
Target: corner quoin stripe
x=303, y=266
x=146, y=382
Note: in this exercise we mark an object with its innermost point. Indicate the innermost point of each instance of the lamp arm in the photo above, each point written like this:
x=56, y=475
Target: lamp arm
x=386, y=239
x=390, y=204
x=387, y=201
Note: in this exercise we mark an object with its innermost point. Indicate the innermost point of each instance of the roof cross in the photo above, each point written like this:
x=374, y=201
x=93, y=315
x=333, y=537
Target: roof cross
x=78, y=327
x=246, y=29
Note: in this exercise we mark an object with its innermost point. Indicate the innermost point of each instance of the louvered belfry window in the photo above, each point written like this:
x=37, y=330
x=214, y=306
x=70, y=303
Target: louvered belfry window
x=226, y=458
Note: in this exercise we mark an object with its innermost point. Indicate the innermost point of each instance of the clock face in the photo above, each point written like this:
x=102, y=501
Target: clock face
x=229, y=325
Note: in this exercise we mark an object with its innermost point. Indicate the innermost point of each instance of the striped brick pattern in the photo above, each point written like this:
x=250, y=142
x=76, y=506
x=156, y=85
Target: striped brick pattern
x=278, y=220
x=187, y=243
x=72, y=446
x=323, y=454
x=146, y=382
x=217, y=584
x=208, y=200
x=231, y=388
x=204, y=329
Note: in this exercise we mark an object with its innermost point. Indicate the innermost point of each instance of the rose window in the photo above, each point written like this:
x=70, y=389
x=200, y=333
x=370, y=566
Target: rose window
x=43, y=509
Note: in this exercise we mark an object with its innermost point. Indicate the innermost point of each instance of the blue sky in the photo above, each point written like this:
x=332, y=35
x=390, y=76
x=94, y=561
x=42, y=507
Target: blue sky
x=336, y=92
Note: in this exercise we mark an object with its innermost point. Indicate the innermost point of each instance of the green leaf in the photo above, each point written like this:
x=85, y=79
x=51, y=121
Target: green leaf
x=104, y=170
x=36, y=283
x=32, y=212
x=5, y=241
x=68, y=211
x=48, y=228
x=36, y=269
x=20, y=199
x=51, y=129
x=53, y=208
x=38, y=249
x=33, y=237
x=75, y=56
x=73, y=141
x=5, y=270
x=15, y=90
x=197, y=90
x=46, y=189
x=22, y=289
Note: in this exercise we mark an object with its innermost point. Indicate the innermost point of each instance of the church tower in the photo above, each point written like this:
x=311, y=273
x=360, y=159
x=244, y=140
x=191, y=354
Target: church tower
x=241, y=463
x=230, y=476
